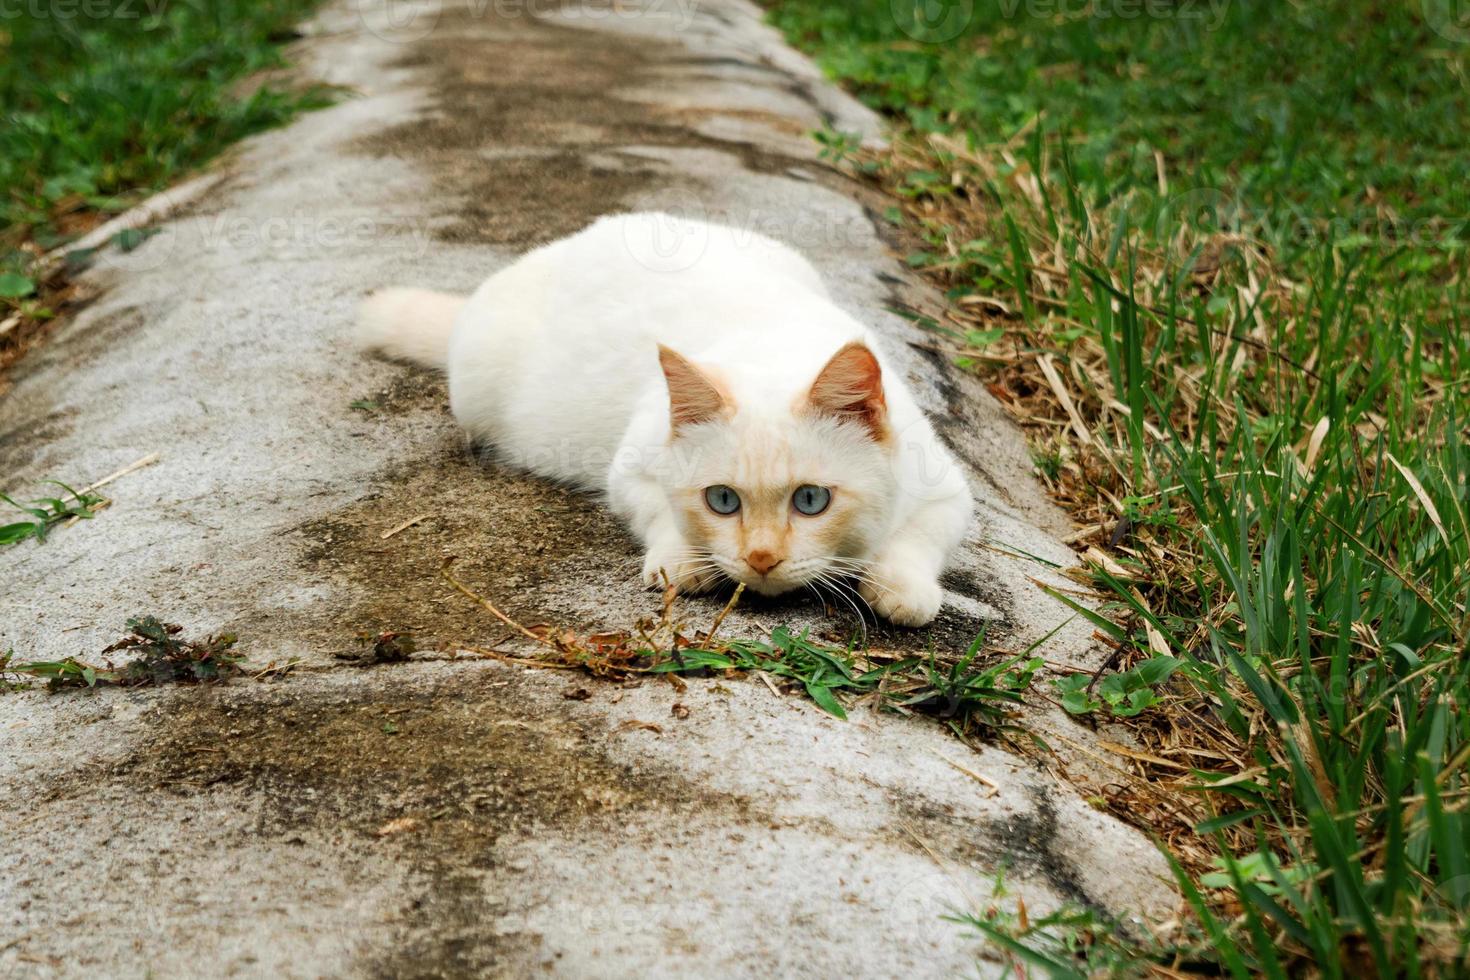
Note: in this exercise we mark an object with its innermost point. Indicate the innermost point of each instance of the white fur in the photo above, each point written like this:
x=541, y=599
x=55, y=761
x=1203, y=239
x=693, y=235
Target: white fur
x=554, y=362
x=412, y=324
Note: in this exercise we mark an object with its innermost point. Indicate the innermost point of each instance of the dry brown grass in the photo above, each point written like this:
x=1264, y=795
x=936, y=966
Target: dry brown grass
x=1055, y=378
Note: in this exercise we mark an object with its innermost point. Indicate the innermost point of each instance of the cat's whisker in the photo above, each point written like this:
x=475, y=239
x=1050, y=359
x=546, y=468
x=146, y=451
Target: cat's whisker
x=811, y=586
x=847, y=570
x=853, y=570
x=857, y=597
x=688, y=553
x=850, y=579
x=857, y=610
x=703, y=565
x=844, y=593
x=815, y=585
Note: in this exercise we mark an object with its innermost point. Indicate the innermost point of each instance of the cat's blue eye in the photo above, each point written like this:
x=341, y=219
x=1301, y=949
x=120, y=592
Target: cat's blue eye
x=722, y=500
x=810, y=499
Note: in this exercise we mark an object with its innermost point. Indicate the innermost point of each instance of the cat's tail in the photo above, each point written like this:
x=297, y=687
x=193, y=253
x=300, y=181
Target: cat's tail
x=411, y=324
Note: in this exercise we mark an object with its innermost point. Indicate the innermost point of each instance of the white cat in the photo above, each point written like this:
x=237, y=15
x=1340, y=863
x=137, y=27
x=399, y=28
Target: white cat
x=740, y=422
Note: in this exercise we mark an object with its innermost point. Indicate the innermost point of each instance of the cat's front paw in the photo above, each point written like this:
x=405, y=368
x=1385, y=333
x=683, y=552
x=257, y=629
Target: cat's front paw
x=690, y=575
x=901, y=596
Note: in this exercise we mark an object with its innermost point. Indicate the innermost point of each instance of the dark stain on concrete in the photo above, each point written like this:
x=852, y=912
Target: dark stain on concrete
x=1021, y=843
x=31, y=431
x=951, y=632
x=472, y=755
x=35, y=417
x=513, y=534
x=542, y=184
x=729, y=62
x=413, y=388
x=953, y=427
x=1028, y=840
x=97, y=336
x=521, y=541
x=528, y=133
x=961, y=416
x=970, y=584
x=469, y=758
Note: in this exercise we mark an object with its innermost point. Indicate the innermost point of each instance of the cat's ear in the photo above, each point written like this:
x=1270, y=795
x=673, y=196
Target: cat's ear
x=851, y=386
x=693, y=395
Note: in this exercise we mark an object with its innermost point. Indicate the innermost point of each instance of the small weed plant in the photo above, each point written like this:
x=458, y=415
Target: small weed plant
x=44, y=513
x=159, y=655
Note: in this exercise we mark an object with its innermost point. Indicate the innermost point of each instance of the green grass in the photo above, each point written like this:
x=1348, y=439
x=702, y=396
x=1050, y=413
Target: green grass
x=44, y=513
x=104, y=100
x=1302, y=112
x=160, y=656
x=822, y=671
x=973, y=693
x=1241, y=252
x=977, y=690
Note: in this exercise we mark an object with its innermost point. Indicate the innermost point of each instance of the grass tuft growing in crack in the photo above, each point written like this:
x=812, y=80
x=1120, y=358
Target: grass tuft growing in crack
x=973, y=689
x=384, y=647
x=974, y=694
x=160, y=656
x=44, y=513
x=822, y=671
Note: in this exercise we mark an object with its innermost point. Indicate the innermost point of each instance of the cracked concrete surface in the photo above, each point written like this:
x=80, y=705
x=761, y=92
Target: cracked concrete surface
x=233, y=830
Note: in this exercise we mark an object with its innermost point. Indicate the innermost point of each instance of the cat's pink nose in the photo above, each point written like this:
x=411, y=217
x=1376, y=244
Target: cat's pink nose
x=762, y=561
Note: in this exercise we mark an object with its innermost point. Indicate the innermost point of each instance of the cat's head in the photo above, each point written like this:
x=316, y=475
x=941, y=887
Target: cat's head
x=779, y=488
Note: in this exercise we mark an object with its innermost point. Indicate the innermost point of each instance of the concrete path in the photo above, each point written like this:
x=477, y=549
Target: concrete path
x=543, y=820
